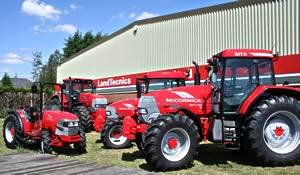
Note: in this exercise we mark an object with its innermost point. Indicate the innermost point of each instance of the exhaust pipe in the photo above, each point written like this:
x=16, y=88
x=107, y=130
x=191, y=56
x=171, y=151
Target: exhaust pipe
x=197, y=74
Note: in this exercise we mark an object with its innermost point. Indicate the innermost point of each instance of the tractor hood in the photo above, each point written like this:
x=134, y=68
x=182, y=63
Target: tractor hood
x=51, y=119
x=90, y=100
x=196, y=99
x=122, y=108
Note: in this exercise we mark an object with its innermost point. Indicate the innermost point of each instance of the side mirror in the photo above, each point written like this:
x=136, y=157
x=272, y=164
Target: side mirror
x=138, y=89
x=215, y=66
x=34, y=89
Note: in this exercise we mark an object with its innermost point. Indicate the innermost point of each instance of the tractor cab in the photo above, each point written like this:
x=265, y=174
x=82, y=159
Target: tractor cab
x=74, y=86
x=236, y=73
x=154, y=81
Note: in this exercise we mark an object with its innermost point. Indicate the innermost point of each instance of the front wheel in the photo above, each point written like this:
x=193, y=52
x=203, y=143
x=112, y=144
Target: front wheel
x=46, y=146
x=273, y=131
x=112, y=135
x=171, y=142
x=80, y=147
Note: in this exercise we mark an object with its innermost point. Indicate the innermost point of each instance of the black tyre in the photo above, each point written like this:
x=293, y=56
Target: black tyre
x=140, y=142
x=112, y=135
x=46, y=146
x=80, y=147
x=171, y=142
x=55, y=104
x=273, y=131
x=12, y=132
x=84, y=117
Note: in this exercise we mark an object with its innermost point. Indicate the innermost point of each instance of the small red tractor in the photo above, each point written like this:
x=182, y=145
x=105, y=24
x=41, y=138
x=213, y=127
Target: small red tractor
x=112, y=136
x=80, y=99
x=240, y=106
x=47, y=127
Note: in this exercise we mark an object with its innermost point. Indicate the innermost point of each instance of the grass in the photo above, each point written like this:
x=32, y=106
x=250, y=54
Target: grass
x=212, y=159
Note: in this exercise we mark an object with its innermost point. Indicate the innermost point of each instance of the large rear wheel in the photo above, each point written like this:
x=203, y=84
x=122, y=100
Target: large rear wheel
x=112, y=135
x=273, y=131
x=84, y=117
x=171, y=142
x=12, y=132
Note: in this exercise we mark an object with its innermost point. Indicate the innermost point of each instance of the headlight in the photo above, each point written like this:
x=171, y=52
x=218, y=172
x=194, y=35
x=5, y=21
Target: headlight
x=108, y=113
x=70, y=124
x=99, y=102
x=142, y=111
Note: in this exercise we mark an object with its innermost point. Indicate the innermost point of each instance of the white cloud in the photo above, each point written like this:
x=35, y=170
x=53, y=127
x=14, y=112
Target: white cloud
x=40, y=9
x=146, y=15
x=121, y=15
x=11, y=58
x=14, y=58
x=132, y=15
x=74, y=7
x=68, y=28
x=4, y=70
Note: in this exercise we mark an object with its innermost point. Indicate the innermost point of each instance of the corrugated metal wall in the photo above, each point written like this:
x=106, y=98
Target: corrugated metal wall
x=176, y=42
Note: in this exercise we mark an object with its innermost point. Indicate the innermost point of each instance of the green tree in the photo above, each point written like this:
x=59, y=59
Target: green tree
x=6, y=80
x=37, y=66
x=78, y=42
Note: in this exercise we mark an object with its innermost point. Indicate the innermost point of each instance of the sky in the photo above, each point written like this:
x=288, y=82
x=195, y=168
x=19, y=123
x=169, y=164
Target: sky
x=27, y=26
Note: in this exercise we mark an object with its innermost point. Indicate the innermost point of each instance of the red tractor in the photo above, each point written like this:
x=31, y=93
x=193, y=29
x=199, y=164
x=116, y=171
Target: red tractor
x=240, y=106
x=80, y=99
x=112, y=136
x=47, y=127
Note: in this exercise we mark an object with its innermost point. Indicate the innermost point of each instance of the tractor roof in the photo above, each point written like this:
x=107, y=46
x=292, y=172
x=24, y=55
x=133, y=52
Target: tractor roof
x=166, y=75
x=246, y=53
x=79, y=80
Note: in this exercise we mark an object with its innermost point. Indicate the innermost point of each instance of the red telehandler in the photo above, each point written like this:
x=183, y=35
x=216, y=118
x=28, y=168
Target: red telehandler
x=80, y=99
x=112, y=136
x=240, y=106
x=47, y=127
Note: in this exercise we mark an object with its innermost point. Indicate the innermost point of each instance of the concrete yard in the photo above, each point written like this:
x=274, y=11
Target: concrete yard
x=34, y=163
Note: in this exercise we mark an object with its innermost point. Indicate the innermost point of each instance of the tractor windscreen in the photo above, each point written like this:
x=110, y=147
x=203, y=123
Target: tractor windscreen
x=241, y=76
x=158, y=84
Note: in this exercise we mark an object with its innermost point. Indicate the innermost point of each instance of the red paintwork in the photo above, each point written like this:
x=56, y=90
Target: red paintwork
x=246, y=53
x=125, y=107
x=199, y=104
x=117, y=134
x=12, y=131
x=60, y=141
x=87, y=98
x=48, y=122
x=172, y=143
x=129, y=128
x=279, y=131
x=98, y=118
x=167, y=101
x=259, y=91
x=72, y=79
x=166, y=75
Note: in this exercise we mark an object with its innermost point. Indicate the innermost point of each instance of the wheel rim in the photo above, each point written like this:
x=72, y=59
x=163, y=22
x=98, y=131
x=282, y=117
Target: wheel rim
x=175, y=144
x=281, y=132
x=9, y=132
x=115, y=135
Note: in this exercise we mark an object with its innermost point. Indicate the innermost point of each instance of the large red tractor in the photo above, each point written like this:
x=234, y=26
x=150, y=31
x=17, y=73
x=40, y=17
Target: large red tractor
x=80, y=99
x=47, y=127
x=112, y=136
x=240, y=106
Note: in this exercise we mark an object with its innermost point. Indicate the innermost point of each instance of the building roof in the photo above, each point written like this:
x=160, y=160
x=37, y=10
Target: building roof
x=199, y=11
x=20, y=82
